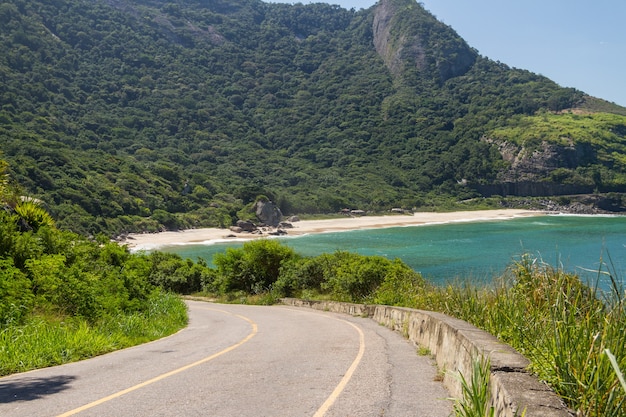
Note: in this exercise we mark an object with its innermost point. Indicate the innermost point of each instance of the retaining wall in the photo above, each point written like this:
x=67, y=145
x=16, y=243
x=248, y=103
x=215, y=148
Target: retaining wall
x=455, y=345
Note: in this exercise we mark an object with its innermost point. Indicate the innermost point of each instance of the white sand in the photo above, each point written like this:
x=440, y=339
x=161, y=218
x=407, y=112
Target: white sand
x=149, y=241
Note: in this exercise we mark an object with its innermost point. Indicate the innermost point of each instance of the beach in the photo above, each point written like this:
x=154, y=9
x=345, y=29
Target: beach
x=150, y=241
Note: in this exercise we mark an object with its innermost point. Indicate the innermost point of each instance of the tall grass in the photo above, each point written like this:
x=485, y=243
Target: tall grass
x=476, y=397
x=47, y=340
x=616, y=367
x=562, y=325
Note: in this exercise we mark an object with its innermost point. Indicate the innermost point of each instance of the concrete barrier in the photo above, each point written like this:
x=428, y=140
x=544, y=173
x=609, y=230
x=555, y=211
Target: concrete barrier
x=455, y=345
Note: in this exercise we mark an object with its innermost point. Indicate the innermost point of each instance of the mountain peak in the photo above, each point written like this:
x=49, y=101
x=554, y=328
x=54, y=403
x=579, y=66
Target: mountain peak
x=408, y=37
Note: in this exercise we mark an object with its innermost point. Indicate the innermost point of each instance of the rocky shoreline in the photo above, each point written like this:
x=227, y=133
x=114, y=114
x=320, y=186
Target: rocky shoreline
x=575, y=204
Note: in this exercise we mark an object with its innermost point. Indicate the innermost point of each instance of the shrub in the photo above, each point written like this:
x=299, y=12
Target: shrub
x=252, y=268
x=15, y=294
x=354, y=277
x=402, y=286
x=301, y=274
x=69, y=290
x=172, y=273
x=351, y=277
x=32, y=216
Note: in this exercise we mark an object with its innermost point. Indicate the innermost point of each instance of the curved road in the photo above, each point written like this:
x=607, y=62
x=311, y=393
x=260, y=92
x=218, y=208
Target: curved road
x=237, y=360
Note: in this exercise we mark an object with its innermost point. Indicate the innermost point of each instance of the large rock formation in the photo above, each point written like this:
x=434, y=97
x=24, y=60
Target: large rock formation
x=268, y=213
x=545, y=169
x=406, y=35
x=536, y=163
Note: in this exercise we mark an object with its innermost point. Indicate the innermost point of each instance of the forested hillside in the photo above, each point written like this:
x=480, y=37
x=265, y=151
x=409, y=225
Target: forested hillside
x=126, y=115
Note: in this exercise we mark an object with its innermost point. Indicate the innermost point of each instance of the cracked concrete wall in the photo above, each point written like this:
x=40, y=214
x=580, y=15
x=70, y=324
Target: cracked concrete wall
x=455, y=344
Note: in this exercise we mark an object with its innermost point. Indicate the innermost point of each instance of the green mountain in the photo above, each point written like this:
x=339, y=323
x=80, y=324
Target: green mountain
x=127, y=115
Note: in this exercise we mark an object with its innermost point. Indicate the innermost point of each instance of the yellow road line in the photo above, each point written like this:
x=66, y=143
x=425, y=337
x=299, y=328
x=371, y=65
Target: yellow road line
x=168, y=374
x=346, y=378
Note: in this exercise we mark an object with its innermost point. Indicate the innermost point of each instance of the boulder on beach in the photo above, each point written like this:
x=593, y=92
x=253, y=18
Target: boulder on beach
x=268, y=213
x=246, y=226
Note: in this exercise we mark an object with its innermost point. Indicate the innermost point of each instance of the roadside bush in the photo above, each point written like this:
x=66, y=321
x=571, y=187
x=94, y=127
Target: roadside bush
x=64, y=297
x=55, y=288
x=172, y=273
x=351, y=277
x=301, y=274
x=61, y=273
x=135, y=275
x=15, y=293
x=402, y=286
x=355, y=278
x=253, y=268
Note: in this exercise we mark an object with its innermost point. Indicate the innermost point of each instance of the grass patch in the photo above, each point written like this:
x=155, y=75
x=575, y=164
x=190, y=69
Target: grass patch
x=44, y=341
x=423, y=351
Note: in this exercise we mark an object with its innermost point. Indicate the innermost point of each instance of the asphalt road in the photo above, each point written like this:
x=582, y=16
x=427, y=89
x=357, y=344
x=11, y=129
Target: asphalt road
x=236, y=360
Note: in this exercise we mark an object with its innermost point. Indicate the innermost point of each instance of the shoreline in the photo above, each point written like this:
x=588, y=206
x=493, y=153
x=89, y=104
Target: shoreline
x=206, y=236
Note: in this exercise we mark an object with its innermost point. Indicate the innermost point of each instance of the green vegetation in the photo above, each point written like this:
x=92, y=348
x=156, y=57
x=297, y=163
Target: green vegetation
x=42, y=341
x=251, y=269
x=476, y=396
x=272, y=270
x=597, y=138
x=599, y=129
x=155, y=115
x=64, y=297
x=616, y=367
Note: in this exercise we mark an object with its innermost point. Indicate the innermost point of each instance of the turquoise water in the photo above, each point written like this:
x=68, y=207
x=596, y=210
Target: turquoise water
x=475, y=250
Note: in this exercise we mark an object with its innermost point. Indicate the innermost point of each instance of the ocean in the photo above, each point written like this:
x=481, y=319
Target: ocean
x=587, y=245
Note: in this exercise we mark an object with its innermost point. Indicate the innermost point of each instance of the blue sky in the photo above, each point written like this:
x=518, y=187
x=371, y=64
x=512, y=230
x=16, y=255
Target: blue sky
x=580, y=44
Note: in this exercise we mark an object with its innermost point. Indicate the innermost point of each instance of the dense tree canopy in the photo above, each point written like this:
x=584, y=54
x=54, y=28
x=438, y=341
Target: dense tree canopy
x=140, y=115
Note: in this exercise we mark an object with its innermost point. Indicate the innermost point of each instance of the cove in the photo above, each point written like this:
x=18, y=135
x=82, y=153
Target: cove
x=477, y=251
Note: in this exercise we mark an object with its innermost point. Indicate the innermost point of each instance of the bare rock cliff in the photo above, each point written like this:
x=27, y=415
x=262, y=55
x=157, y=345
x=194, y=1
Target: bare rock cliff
x=407, y=36
x=537, y=163
x=383, y=41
